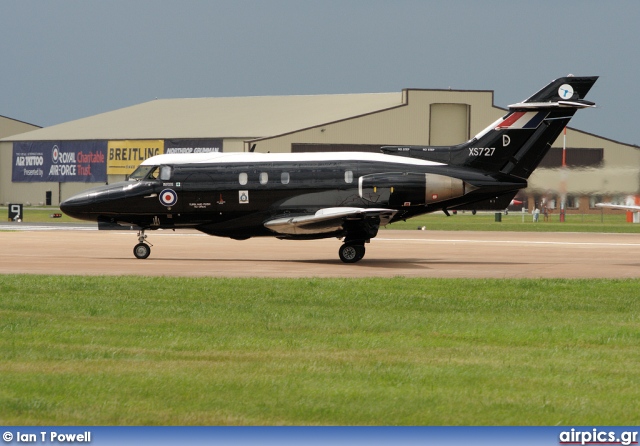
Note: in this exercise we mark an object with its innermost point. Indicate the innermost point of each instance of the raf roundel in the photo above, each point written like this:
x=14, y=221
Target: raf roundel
x=168, y=197
x=55, y=153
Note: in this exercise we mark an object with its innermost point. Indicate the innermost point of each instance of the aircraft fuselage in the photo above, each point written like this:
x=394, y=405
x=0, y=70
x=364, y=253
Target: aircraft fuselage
x=233, y=197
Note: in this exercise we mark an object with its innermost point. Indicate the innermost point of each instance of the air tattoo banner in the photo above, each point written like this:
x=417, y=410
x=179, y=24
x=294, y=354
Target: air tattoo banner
x=59, y=161
x=182, y=146
x=125, y=156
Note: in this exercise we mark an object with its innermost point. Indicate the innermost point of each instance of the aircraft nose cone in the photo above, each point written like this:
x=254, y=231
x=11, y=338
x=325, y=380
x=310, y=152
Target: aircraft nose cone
x=78, y=206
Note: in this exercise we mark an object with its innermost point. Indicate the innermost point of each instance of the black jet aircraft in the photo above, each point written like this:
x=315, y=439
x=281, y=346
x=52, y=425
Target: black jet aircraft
x=348, y=195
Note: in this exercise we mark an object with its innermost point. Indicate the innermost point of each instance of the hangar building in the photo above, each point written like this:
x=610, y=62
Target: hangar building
x=59, y=161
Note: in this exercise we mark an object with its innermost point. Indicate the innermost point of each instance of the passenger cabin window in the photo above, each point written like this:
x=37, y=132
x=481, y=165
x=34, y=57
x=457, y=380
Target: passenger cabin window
x=165, y=173
x=264, y=177
x=348, y=176
x=284, y=177
x=243, y=178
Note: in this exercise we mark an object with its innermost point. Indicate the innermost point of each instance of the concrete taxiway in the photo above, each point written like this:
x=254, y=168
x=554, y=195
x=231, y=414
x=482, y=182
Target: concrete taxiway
x=82, y=250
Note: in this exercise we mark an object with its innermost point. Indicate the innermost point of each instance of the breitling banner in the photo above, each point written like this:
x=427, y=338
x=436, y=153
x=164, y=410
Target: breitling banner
x=59, y=161
x=125, y=156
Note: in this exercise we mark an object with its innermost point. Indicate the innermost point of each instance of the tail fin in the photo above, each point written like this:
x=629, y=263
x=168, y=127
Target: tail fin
x=516, y=143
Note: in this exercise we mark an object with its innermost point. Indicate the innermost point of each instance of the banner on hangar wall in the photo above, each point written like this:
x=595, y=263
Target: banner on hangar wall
x=59, y=161
x=126, y=155
x=181, y=146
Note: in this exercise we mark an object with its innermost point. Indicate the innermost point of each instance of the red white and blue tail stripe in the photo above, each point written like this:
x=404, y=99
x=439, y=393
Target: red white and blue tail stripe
x=522, y=120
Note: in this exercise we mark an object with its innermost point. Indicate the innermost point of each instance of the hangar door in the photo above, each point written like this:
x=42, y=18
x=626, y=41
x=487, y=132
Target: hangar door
x=448, y=124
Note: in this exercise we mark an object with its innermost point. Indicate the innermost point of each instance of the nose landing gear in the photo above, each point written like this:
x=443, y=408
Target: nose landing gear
x=142, y=249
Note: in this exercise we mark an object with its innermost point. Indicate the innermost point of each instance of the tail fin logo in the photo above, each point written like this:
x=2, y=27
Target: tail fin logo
x=565, y=91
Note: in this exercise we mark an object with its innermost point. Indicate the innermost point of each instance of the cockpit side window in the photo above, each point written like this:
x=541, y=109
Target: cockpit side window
x=165, y=173
x=144, y=172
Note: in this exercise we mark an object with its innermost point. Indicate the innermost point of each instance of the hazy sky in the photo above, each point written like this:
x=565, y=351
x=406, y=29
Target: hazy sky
x=63, y=60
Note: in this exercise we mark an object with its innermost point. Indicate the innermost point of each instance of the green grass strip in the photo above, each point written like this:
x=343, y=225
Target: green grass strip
x=516, y=222
x=207, y=351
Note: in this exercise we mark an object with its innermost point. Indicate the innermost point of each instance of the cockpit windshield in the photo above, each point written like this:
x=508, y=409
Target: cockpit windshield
x=144, y=172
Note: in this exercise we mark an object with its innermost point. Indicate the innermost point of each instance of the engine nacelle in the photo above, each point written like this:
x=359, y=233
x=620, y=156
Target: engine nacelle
x=441, y=188
x=410, y=189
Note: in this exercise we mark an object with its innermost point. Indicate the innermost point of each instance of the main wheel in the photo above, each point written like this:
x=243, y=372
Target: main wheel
x=360, y=249
x=351, y=253
x=141, y=251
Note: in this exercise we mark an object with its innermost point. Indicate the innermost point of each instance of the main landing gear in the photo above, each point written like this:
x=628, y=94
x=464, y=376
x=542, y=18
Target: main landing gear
x=142, y=249
x=351, y=252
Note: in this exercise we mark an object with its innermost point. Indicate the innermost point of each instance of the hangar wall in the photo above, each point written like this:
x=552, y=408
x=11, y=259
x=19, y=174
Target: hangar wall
x=416, y=117
x=10, y=127
x=407, y=124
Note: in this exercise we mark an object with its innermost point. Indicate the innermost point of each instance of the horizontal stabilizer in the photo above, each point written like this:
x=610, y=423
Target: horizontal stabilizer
x=580, y=103
x=327, y=220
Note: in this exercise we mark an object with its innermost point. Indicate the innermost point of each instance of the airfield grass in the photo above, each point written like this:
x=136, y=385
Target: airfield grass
x=41, y=215
x=514, y=222
x=209, y=351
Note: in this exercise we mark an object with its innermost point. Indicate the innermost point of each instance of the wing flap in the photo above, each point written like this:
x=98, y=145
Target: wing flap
x=327, y=220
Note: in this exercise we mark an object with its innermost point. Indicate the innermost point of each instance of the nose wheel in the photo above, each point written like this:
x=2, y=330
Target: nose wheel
x=142, y=249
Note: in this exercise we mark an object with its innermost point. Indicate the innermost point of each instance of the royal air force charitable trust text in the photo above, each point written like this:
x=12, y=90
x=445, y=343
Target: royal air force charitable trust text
x=79, y=164
x=68, y=163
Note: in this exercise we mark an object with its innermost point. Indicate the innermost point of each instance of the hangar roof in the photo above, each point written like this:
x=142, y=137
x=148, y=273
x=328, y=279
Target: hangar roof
x=232, y=117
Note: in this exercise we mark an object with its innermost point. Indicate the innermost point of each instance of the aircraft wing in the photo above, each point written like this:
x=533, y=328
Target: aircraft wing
x=624, y=207
x=327, y=220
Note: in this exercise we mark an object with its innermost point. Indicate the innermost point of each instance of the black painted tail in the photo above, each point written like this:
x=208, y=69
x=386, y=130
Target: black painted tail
x=516, y=143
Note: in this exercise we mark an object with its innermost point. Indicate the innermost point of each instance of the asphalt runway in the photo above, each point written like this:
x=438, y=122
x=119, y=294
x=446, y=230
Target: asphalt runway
x=82, y=250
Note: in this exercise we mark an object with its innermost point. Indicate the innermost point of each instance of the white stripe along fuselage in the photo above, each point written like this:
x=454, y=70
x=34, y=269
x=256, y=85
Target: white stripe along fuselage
x=257, y=158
